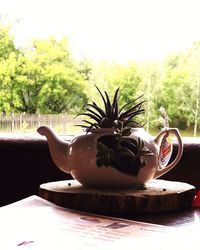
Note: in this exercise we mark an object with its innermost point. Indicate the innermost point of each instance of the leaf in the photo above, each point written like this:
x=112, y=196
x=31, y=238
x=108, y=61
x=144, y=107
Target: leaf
x=132, y=111
x=124, y=153
x=95, y=106
x=104, y=101
x=126, y=131
x=132, y=124
x=94, y=113
x=96, y=125
x=103, y=155
x=123, y=107
x=90, y=116
x=132, y=140
x=146, y=152
x=130, y=146
x=108, y=107
x=106, y=123
x=118, y=125
x=115, y=104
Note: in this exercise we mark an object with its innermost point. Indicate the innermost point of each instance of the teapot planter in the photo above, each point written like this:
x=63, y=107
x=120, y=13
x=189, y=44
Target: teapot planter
x=80, y=157
x=115, y=152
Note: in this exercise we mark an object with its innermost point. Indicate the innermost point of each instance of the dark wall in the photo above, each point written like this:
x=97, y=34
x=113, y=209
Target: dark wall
x=26, y=163
x=188, y=168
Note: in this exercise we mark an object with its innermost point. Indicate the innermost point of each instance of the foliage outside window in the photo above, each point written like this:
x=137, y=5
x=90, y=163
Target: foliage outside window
x=44, y=78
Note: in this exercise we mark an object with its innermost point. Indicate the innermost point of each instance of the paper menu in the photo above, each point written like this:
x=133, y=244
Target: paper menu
x=35, y=223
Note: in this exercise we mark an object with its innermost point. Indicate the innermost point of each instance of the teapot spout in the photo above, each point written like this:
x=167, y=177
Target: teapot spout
x=58, y=148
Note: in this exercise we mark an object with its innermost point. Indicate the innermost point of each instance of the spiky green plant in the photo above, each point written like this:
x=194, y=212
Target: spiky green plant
x=112, y=116
x=118, y=150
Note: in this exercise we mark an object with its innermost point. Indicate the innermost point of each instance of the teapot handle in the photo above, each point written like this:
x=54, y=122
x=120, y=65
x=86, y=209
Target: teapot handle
x=160, y=140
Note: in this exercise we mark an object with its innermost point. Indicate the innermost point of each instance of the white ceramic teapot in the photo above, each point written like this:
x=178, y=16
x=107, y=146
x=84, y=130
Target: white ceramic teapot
x=79, y=157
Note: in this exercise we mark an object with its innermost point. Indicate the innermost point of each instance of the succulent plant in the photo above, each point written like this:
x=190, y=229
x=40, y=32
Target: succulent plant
x=118, y=150
x=112, y=116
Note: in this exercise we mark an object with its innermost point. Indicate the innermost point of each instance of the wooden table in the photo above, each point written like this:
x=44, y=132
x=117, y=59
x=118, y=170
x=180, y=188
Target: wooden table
x=185, y=217
x=180, y=217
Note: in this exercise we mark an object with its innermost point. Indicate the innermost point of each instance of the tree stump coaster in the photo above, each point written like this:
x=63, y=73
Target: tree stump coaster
x=159, y=196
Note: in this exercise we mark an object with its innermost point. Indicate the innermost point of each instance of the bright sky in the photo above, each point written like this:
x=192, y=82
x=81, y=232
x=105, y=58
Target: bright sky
x=118, y=30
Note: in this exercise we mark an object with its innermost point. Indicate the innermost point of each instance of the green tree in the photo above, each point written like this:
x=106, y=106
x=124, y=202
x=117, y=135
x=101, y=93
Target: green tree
x=6, y=41
x=8, y=61
x=8, y=99
x=41, y=78
x=128, y=78
x=175, y=80
x=150, y=87
x=111, y=76
x=190, y=95
x=63, y=90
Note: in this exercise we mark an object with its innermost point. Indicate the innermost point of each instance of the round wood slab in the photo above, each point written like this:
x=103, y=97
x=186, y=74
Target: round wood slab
x=159, y=196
